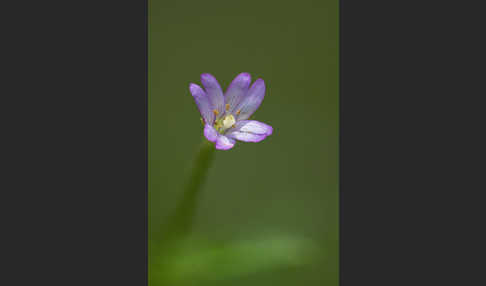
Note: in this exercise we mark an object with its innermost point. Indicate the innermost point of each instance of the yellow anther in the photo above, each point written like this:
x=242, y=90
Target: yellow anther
x=216, y=112
x=238, y=112
x=227, y=106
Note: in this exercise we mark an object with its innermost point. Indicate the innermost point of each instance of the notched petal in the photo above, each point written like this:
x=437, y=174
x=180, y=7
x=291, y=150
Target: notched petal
x=210, y=133
x=202, y=102
x=237, y=91
x=224, y=143
x=247, y=137
x=253, y=126
x=250, y=131
x=214, y=92
x=252, y=100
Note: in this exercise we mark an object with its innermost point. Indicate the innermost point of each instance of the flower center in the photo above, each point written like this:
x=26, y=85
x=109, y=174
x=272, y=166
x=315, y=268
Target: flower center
x=225, y=123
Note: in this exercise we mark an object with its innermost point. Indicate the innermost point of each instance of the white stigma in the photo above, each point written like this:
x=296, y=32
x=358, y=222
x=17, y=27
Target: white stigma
x=228, y=121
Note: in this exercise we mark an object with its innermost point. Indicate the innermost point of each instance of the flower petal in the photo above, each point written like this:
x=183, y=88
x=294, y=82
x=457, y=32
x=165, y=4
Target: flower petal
x=253, y=126
x=214, y=92
x=202, y=102
x=247, y=137
x=252, y=100
x=224, y=143
x=250, y=131
x=237, y=90
x=210, y=133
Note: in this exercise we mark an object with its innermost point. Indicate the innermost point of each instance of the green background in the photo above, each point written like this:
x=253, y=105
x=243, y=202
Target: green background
x=268, y=214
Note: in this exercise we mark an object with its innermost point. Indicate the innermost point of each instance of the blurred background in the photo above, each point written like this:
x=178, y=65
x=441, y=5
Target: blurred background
x=268, y=212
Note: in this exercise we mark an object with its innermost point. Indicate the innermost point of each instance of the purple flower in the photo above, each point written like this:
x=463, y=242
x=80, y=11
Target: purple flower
x=226, y=115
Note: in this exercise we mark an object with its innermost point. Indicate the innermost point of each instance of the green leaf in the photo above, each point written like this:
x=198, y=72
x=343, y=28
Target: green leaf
x=197, y=260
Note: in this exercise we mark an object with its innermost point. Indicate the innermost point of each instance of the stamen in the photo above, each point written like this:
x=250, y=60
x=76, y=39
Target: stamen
x=238, y=112
x=216, y=112
x=227, y=106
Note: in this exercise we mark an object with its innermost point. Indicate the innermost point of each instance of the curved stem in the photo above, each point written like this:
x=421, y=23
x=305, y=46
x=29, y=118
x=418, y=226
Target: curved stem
x=180, y=223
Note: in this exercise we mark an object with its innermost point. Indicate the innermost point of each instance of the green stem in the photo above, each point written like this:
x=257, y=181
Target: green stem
x=180, y=224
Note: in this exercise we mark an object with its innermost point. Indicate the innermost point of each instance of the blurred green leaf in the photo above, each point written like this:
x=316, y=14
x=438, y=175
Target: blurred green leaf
x=198, y=260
